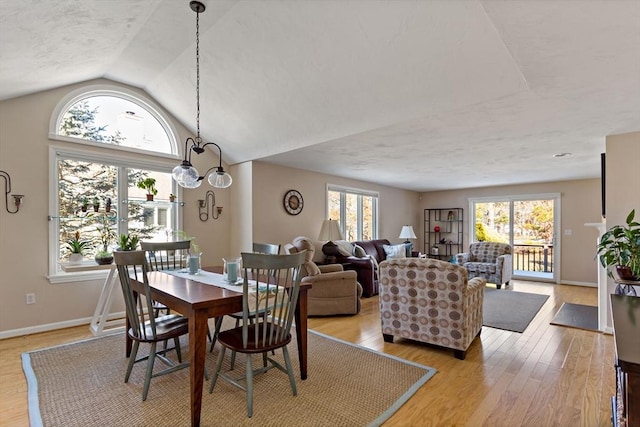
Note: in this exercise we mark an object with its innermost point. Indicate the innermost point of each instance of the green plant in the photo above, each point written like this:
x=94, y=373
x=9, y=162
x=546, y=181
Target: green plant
x=106, y=234
x=96, y=201
x=77, y=246
x=84, y=202
x=148, y=184
x=195, y=249
x=620, y=246
x=128, y=242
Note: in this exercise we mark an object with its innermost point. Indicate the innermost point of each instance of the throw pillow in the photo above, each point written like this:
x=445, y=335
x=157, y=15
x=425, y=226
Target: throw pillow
x=304, y=243
x=358, y=251
x=395, y=251
x=345, y=248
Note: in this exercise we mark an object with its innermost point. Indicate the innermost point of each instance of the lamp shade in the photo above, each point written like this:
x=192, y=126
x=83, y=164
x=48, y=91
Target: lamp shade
x=407, y=232
x=330, y=230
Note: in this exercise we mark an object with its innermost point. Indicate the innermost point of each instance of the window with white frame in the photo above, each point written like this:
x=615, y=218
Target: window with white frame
x=357, y=211
x=96, y=193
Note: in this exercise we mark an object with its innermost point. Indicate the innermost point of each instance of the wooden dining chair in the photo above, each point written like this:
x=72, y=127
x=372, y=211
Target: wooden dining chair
x=266, y=248
x=258, y=248
x=269, y=299
x=144, y=327
x=165, y=256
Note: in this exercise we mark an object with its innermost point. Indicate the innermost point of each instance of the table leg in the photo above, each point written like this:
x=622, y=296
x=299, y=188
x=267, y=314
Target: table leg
x=301, y=331
x=197, y=355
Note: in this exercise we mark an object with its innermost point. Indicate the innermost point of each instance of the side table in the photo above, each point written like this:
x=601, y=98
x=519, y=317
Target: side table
x=626, y=287
x=100, y=322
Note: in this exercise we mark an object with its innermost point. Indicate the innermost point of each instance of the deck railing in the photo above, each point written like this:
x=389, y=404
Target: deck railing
x=538, y=258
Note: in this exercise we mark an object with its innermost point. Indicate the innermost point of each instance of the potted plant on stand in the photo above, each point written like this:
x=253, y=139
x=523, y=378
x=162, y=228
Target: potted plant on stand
x=104, y=256
x=76, y=248
x=148, y=184
x=619, y=248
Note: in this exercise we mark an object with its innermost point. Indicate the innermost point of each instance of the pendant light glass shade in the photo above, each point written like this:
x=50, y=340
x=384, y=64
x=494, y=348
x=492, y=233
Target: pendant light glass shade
x=220, y=179
x=186, y=176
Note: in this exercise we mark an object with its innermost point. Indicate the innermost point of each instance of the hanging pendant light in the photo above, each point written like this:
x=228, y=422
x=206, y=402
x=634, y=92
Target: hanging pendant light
x=185, y=174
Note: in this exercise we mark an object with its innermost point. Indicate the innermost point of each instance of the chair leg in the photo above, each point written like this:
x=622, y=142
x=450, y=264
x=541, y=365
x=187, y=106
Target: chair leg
x=176, y=343
x=147, y=380
x=460, y=354
x=233, y=353
x=214, y=338
x=292, y=378
x=217, y=369
x=132, y=360
x=249, y=369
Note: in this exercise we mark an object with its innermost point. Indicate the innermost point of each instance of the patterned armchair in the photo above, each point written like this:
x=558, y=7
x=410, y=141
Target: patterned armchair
x=490, y=260
x=431, y=301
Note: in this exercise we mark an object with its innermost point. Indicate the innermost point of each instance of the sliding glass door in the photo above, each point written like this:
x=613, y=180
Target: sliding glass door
x=529, y=224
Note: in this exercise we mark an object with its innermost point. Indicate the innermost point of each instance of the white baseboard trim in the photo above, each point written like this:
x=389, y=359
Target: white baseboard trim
x=53, y=326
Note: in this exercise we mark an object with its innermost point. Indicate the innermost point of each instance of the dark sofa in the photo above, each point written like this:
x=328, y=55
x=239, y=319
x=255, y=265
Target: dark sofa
x=364, y=267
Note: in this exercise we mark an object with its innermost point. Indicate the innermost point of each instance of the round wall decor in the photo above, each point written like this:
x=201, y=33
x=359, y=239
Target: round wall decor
x=293, y=202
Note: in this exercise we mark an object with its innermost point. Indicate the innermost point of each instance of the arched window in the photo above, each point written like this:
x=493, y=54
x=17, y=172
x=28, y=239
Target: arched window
x=116, y=116
x=96, y=194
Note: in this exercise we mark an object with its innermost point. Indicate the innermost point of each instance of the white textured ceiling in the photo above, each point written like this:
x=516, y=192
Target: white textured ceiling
x=422, y=95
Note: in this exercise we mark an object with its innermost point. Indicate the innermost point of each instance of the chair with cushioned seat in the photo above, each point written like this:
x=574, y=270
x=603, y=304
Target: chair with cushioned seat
x=491, y=260
x=333, y=291
x=431, y=301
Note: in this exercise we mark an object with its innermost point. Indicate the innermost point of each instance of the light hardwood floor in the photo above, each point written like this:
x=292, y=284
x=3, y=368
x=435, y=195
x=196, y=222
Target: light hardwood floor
x=547, y=376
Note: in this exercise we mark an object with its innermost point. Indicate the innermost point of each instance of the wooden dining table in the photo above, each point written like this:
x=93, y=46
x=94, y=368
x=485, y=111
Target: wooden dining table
x=200, y=301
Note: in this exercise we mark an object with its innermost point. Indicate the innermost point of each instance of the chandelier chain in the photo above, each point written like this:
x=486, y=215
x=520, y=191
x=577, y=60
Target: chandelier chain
x=198, y=76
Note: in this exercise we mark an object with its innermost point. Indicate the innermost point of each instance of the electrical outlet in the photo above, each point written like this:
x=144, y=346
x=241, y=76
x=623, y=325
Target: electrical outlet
x=31, y=298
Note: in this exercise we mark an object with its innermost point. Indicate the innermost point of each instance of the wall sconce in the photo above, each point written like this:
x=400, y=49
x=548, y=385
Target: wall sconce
x=203, y=206
x=17, y=198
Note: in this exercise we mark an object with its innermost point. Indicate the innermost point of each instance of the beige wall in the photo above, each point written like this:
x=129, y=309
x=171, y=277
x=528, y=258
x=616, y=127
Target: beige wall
x=580, y=204
x=271, y=223
x=623, y=184
x=24, y=154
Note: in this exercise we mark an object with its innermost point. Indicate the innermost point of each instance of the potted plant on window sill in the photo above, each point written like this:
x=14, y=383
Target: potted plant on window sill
x=619, y=248
x=76, y=248
x=128, y=242
x=148, y=184
x=104, y=256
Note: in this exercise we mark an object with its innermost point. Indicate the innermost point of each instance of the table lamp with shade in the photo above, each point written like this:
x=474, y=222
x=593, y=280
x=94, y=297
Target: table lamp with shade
x=330, y=231
x=407, y=233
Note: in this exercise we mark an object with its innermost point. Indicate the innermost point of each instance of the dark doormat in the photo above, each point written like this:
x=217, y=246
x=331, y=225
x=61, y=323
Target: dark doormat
x=577, y=316
x=510, y=310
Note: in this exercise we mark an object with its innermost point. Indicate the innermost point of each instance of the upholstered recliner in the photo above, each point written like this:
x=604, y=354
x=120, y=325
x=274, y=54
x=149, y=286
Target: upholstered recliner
x=491, y=260
x=431, y=301
x=333, y=290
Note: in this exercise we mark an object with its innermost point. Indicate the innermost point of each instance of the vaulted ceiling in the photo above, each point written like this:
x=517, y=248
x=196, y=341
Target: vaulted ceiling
x=422, y=95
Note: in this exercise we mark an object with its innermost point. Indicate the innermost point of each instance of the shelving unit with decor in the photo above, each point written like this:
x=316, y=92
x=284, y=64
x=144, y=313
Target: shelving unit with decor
x=443, y=232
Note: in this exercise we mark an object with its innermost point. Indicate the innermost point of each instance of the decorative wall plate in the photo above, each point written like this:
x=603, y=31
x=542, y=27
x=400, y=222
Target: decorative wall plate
x=293, y=202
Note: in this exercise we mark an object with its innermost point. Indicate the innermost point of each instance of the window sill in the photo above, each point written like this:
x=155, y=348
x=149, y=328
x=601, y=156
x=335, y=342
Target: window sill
x=85, y=276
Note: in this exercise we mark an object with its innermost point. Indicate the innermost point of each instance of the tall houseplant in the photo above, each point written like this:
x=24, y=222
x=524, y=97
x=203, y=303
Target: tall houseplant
x=619, y=248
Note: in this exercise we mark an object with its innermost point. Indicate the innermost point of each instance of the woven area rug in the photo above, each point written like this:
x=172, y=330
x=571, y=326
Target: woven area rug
x=82, y=384
x=510, y=310
x=577, y=316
